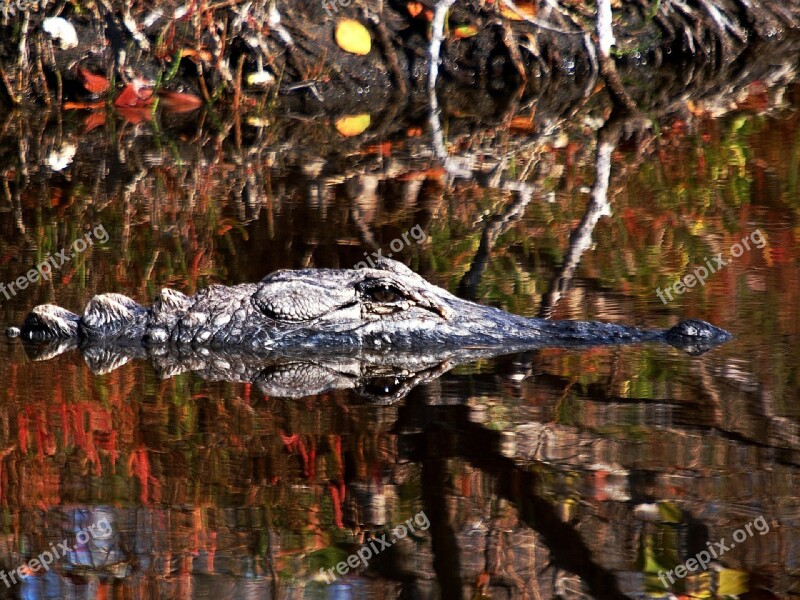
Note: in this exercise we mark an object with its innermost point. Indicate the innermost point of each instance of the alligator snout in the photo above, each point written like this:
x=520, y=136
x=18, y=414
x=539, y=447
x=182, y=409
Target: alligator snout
x=695, y=336
x=47, y=322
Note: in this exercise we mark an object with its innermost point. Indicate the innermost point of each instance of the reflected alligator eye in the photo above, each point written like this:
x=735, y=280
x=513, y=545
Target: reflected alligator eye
x=383, y=293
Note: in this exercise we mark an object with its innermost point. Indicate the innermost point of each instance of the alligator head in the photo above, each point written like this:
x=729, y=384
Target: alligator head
x=388, y=307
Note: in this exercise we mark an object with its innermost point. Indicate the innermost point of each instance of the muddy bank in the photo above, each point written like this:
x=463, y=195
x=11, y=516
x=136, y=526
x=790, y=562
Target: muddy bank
x=245, y=56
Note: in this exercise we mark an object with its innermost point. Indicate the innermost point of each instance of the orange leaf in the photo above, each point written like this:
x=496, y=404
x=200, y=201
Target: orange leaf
x=96, y=84
x=523, y=123
x=179, y=102
x=201, y=54
x=414, y=8
x=83, y=105
x=135, y=95
x=523, y=10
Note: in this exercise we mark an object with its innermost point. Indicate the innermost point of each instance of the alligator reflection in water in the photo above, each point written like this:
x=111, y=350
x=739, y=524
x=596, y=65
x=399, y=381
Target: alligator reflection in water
x=534, y=538
x=309, y=331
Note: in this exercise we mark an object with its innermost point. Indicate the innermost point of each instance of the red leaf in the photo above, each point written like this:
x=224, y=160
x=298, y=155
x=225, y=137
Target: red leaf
x=96, y=84
x=179, y=102
x=135, y=95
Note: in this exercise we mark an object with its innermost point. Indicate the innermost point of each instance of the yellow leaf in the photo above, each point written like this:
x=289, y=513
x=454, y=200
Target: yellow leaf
x=353, y=37
x=521, y=11
x=732, y=582
x=510, y=14
x=351, y=125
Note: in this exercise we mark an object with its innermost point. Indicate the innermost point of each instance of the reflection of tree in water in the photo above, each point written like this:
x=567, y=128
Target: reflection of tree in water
x=233, y=492
x=527, y=507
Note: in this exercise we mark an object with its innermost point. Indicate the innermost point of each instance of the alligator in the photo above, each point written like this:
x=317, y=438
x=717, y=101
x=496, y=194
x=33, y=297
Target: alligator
x=333, y=312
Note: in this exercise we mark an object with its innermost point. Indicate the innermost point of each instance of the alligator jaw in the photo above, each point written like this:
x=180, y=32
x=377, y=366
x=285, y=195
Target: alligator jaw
x=471, y=325
x=495, y=328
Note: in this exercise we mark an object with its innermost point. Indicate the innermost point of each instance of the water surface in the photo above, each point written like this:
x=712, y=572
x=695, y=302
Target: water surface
x=556, y=473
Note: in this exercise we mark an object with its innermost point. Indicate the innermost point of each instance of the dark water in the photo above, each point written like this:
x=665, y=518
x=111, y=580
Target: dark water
x=557, y=473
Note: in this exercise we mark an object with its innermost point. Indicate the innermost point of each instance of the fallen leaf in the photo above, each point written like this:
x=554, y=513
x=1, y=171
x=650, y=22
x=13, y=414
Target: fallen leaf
x=83, y=105
x=260, y=78
x=523, y=10
x=258, y=122
x=414, y=8
x=135, y=95
x=352, y=125
x=179, y=102
x=465, y=31
x=202, y=54
x=353, y=37
x=522, y=123
x=94, y=83
x=697, y=109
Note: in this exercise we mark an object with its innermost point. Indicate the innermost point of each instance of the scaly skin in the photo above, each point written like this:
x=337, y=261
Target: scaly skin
x=341, y=310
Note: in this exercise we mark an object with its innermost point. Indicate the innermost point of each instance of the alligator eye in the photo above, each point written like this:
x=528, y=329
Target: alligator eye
x=378, y=388
x=383, y=293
